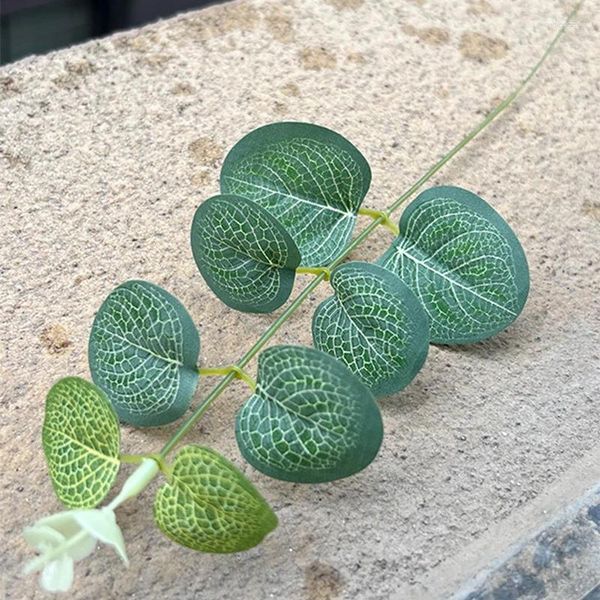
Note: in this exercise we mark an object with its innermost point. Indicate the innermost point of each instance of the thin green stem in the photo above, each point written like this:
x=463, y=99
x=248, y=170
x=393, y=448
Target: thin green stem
x=191, y=420
x=357, y=241
x=486, y=121
x=258, y=346
x=272, y=329
x=365, y=233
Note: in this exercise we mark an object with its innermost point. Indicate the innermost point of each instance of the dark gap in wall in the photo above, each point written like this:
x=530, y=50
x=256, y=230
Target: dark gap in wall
x=39, y=26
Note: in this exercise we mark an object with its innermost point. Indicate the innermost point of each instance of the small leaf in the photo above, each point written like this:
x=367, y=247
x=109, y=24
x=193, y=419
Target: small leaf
x=208, y=505
x=245, y=256
x=311, y=179
x=463, y=262
x=143, y=352
x=310, y=419
x=81, y=441
x=375, y=325
x=102, y=525
x=57, y=575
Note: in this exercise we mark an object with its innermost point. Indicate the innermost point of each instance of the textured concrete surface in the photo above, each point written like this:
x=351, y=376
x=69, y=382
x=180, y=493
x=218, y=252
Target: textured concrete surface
x=105, y=151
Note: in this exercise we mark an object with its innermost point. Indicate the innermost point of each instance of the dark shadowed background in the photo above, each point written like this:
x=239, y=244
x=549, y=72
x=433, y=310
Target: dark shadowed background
x=38, y=26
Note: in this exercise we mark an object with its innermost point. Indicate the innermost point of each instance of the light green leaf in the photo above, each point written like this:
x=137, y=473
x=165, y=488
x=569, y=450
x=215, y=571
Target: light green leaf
x=463, y=262
x=54, y=530
x=375, y=325
x=208, y=505
x=57, y=575
x=310, y=419
x=143, y=352
x=311, y=179
x=245, y=256
x=102, y=525
x=81, y=441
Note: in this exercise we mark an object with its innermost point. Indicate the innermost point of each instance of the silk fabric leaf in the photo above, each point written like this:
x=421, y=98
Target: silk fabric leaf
x=375, y=325
x=310, y=419
x=209, y=506
x=463, y=262
x=81, y=440
x=143, y=352
x=311, y=179
x=245, y=256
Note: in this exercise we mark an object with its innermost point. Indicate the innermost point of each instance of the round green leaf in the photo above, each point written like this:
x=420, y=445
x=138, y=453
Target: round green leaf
x=81, y=441
x=310, y=419
x=375, y=325
x=311, y=179
x=463, y=262
x=208, y=505
x=245, y=256
x=143, y=352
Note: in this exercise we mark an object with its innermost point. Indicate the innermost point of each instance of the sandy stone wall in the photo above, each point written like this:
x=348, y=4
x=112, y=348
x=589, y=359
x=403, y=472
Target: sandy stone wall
x=107, y=148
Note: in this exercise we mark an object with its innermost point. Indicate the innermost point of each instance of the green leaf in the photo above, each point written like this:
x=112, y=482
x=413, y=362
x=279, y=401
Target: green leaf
x=311, y=179
x=245, y=256
x=81, y=441
x=310, y=419
x=375, y=325
x=143, y=352
x=208, y=505
x=463, y=262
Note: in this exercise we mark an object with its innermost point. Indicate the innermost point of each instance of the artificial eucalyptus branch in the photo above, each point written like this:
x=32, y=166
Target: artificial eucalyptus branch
x=290, y=197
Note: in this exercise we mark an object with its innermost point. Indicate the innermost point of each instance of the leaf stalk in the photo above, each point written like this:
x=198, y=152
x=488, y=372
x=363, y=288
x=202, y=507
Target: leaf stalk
x=138, y=459
x=315, y=271
x=238, y=372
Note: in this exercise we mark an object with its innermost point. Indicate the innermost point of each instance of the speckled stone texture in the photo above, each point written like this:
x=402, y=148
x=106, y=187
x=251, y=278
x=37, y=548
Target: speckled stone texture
x=106, y=149
x=562, y=561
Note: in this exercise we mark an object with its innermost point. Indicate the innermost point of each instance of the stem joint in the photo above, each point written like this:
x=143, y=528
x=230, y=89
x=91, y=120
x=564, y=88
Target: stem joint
x=382, y=217
x=325, y=271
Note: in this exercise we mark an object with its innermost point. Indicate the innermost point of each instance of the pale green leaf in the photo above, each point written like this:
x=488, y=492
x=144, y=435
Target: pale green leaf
x=245, y=256
x=463, y=262
x=57, y=575
x=143, y=353
x=310, y=419
x=55, y=530
x=42, y=537
x=208, y=505
x=81, y=441
x=375, y=325
x=102, y=525
x=311, y=179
